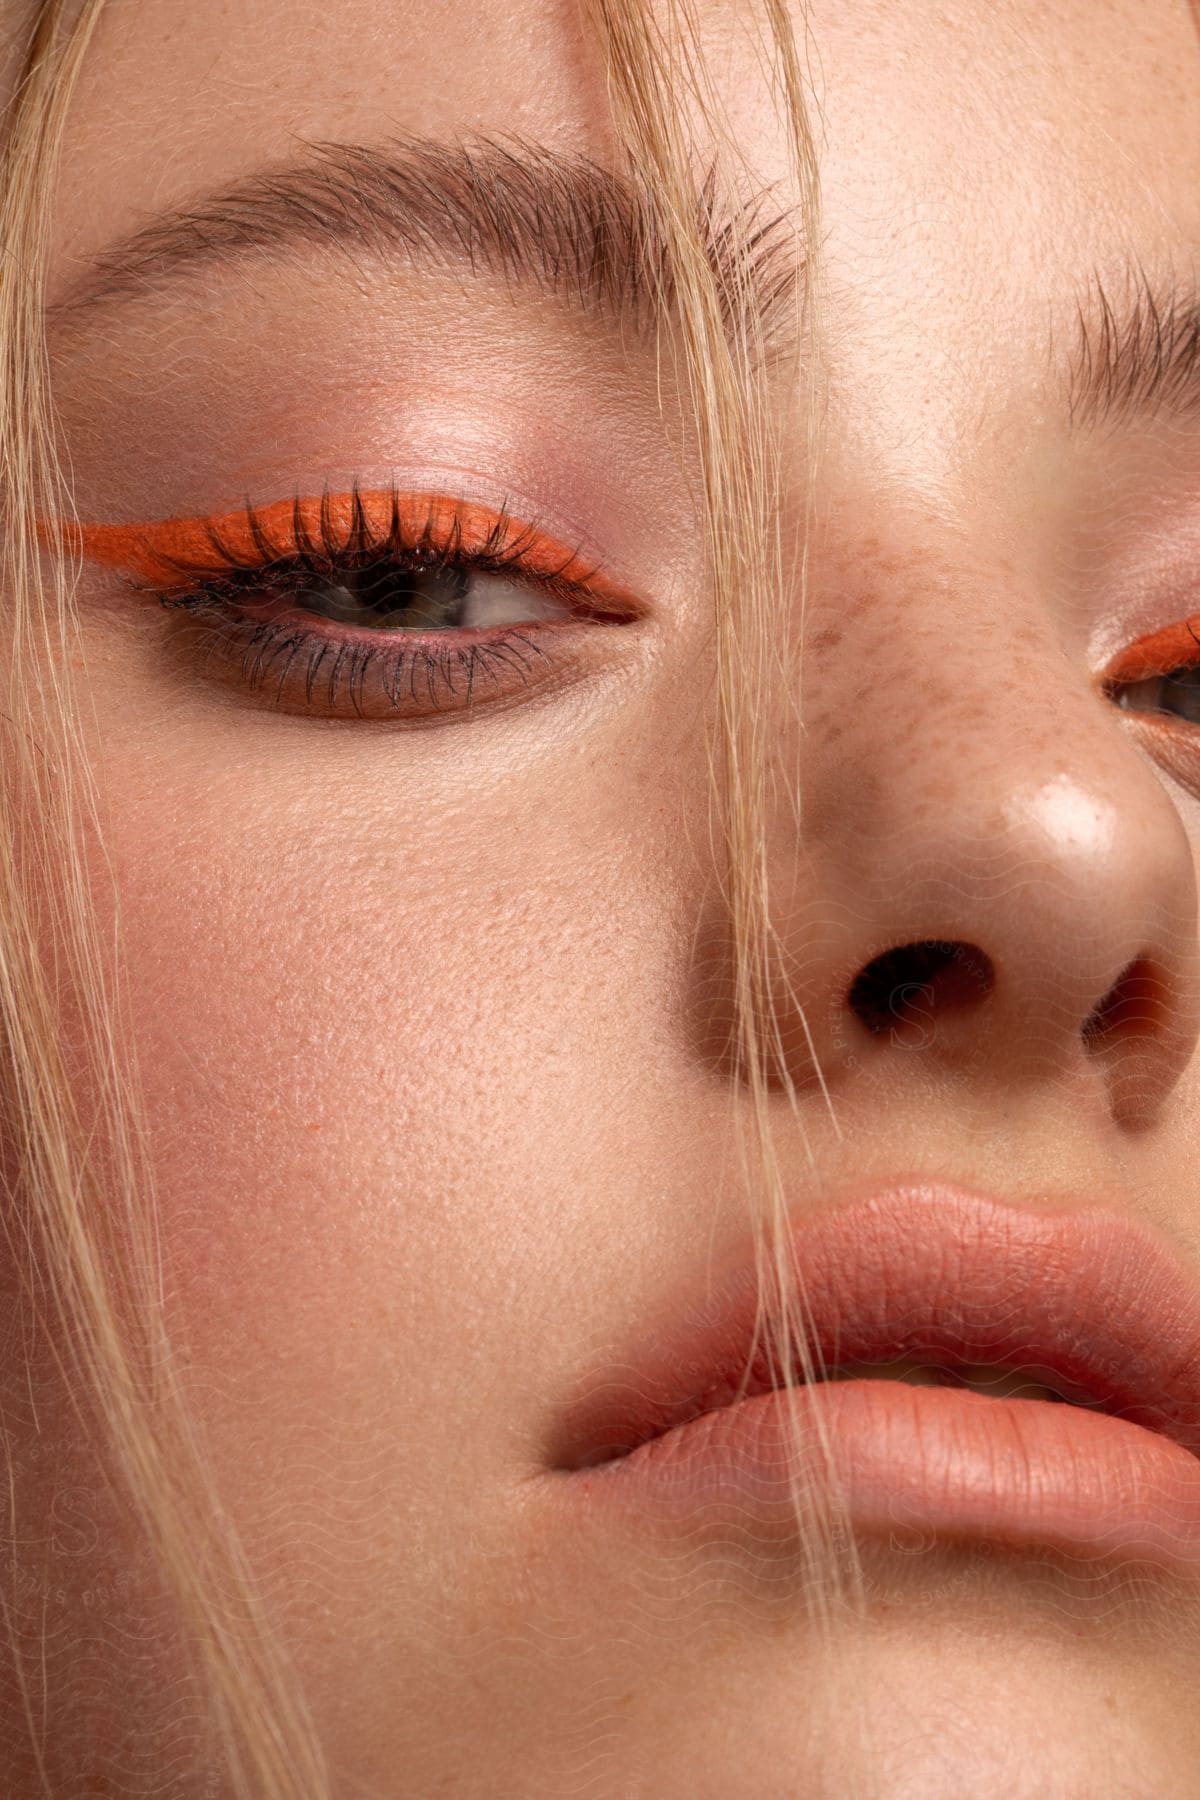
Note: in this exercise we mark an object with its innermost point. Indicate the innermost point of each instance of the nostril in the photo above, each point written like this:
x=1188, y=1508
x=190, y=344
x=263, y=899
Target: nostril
x=909, y=986
x=1137, y=1005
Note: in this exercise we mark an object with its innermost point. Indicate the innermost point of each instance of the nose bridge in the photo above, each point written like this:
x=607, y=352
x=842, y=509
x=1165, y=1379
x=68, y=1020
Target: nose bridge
x=964, y=787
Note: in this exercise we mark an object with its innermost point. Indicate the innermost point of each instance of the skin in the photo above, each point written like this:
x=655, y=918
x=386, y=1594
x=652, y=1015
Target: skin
x=426, y=1017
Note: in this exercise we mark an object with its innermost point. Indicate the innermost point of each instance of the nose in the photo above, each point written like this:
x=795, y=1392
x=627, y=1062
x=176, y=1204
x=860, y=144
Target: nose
x=986, y=872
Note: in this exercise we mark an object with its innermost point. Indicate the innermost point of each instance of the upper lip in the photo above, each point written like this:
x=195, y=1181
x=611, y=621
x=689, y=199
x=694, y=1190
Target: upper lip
x=1085, y=1301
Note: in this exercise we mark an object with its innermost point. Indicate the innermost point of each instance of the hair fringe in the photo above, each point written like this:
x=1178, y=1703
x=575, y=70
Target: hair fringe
x=653, y=76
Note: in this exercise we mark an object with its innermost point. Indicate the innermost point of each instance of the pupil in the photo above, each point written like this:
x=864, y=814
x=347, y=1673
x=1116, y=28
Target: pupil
x=390, y=598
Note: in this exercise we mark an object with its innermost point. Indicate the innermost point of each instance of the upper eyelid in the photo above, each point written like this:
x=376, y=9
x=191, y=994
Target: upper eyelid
x=1174, y=646
x=178, y=549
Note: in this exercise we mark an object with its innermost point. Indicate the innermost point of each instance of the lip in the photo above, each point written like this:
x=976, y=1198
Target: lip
x=691, y=1425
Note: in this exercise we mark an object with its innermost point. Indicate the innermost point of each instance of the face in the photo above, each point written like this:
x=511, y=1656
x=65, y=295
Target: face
x=427, y=939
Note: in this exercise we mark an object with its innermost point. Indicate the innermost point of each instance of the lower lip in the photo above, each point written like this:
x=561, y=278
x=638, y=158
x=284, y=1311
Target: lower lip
x=904, y=1460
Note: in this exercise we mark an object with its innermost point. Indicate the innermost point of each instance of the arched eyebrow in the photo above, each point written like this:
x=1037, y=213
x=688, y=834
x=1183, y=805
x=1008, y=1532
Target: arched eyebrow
x=519, y=211
x=1137, y=351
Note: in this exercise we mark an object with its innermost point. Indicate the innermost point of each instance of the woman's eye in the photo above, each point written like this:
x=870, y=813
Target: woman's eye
x=373, y=604
x=387, y=597
x=1176, y=694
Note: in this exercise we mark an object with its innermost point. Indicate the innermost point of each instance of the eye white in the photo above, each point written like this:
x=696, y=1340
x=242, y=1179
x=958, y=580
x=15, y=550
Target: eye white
x=494, y=600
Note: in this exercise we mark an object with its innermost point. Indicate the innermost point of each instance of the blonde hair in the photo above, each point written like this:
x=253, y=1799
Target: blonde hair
x=660, y=80
x=80, y=1209
x=659, y=77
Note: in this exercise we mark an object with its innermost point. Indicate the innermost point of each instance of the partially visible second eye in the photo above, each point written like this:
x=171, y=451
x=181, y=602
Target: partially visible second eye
x=1159, y=675
x=386, y=596
x=1177, y=695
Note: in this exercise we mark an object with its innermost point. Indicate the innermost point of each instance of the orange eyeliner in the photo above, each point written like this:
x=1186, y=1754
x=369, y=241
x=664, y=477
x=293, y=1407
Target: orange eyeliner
x=170, y=551
x=1174, y=647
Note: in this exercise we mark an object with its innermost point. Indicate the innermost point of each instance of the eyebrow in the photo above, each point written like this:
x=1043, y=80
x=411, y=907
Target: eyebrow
x=1137, y=351
x=519, y=211
x=568, y=226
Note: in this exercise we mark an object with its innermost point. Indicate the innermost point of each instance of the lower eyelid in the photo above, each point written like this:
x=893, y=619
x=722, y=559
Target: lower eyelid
x=402, y=676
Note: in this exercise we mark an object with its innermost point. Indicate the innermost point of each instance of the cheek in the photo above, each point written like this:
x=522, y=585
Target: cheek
x=379, y=1056
x=326, y=1045
x=398, y=1064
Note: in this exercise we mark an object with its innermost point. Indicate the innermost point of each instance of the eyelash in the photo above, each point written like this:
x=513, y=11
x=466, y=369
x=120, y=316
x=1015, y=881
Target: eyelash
x=333, y=664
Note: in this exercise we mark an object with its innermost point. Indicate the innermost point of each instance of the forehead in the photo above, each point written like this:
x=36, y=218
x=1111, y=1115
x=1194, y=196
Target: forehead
x=979, y=164
x=1023, y=96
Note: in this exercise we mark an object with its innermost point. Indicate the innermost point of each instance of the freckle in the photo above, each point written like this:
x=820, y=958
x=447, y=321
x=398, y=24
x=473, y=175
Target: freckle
x=827, y=639
x=312, y=1126
x=861, y=603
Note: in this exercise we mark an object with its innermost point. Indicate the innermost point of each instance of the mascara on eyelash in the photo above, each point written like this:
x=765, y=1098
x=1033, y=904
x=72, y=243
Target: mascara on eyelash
x=320, y=529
